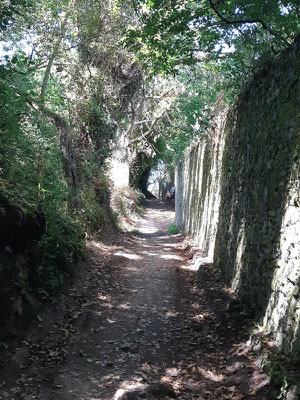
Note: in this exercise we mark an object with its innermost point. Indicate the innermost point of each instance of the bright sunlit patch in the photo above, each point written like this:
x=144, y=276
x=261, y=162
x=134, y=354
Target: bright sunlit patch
x=212, y=376
x=124, y=306
x=196, y=263
x=170, y=257
x=162, y=238
x=147, y=229
x=171, y=245
x=285, y=10
x=127, y=385
x=129, y=256
x=133, y=269
x=149, y=253
x=119, y=173
x=172, y=314
x=282, y=315
x=174, y=372
x=119, y=394
x=100, y=246
x=101, y=297
x=239, y=258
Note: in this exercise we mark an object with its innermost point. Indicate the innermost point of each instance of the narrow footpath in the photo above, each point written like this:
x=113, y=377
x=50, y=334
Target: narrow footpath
x=137, y=317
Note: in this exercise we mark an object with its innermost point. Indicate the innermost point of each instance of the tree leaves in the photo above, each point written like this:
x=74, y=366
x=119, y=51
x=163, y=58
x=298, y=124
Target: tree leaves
x=184, y=26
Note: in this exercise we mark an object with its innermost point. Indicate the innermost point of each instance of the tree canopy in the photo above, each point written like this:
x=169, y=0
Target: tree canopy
x=75, y=76
x=170, y=33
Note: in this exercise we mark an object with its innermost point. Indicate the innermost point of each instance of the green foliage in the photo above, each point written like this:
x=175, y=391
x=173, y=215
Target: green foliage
x=127, y=202
x=30, y=156
x=172, y=229
x=94, y=88
x=191, y=112
x=95, y=214
x=33, y=148
x=211, y=47
x=101, y=127
x=282, y=372
x=9, y=9
x=135, y=231
x=3, y=345
x=53, y=258
x=167, y=34
x=32, y=176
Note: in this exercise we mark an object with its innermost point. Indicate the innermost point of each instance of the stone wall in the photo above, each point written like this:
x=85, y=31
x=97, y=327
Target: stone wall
x=238, y=197
x=198, y=187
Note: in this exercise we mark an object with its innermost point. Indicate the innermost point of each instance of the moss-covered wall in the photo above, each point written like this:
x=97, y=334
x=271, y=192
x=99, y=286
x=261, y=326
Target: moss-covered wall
x=198, y=185
x=239, y=190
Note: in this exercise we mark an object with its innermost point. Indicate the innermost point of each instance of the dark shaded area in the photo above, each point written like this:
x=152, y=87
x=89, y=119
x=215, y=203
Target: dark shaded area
x=139, y=172
x=261, y=157
x=159, y=205
x=142, y=182
x=149, y=195
x=139, y=175
x=18, y=227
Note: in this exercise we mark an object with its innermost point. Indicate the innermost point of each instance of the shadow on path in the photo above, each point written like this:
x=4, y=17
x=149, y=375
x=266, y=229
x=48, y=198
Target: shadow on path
x=135, y=316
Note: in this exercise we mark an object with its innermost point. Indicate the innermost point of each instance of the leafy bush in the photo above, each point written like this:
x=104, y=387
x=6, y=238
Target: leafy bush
x=95, y=214
x=127, y=202
x=53, y=258
x=172, y=229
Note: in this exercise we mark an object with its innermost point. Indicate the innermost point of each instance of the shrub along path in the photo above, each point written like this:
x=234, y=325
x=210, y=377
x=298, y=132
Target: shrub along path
x=136, y=316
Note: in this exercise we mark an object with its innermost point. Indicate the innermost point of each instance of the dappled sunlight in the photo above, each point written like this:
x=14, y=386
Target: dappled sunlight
x=104, y=297
x=211, y=375
x=99, y=245
x=133, y=269
x=149, y=253
x=146, y=245
x=282, y=316
x=171, y=246
x=106, y=305
x=128, y=256
x=172, y=314
x=241, y=245
x=162, y=238
x=144, y=322
x=111, y=321
x=148, y=229
x=124, y=306
x=172, y=371
x=197, y=261
x=170, y=257
x=157, y=220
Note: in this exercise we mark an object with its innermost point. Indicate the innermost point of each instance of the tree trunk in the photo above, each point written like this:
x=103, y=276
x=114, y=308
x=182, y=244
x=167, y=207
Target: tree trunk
x=65, y=145
x=61, y=124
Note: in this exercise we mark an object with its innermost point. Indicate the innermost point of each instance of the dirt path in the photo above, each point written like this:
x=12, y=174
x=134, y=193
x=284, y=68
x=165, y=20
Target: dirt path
x=132, y=317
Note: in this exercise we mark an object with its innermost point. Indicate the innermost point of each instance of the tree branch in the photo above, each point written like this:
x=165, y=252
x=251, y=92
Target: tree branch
x=227, y=21
x=65, y=143
x=247, y=21
x=52, y=58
